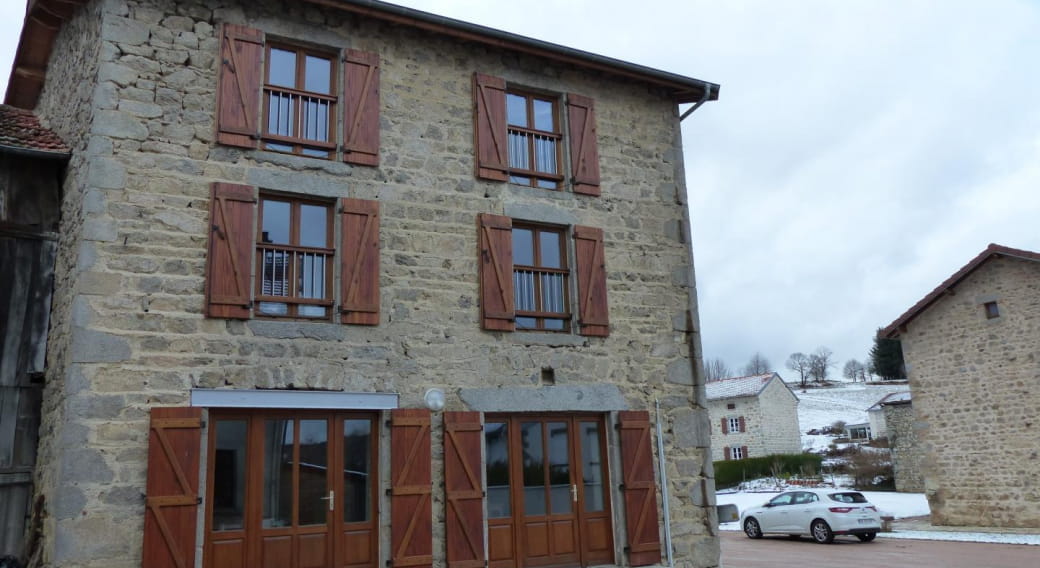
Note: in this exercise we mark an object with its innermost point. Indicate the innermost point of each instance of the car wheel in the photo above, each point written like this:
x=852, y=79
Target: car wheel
x=751, y=528
x=866, y=537
x=821, y=531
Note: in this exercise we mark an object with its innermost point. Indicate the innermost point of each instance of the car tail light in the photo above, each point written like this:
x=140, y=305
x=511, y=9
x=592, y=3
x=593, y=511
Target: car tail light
x=840, y=509
x=871, y=508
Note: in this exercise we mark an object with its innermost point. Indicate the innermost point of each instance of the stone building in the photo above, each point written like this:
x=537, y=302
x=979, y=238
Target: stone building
x=876, y=413
x=753, y=416
x=902, y=442
x=344, y=283
x=972, y=352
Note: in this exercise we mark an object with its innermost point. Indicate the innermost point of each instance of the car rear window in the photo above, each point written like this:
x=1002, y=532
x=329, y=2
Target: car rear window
x=848, y=497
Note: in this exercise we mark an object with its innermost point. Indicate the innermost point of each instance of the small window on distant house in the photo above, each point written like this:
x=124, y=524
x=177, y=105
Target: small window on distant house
x=299, y=101
x=730, y=406
x=992, y=311
x=737, y=453
x=734, y=425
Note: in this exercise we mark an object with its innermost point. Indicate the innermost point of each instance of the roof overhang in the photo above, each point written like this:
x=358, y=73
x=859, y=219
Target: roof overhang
x=43, y=21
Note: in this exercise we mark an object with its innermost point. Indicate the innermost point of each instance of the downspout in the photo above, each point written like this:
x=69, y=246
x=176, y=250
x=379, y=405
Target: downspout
x=664, y=487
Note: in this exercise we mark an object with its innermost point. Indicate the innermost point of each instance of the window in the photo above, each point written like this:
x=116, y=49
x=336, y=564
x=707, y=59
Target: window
x=540, y=279
x=519, y=137
x=992, y=310
x=738, y=453
x=294, y=258
x=290, y=257
x=730, y=406
x=524, y=277
x=299, y=101
x=306, y=108
x=534, y=140
x=734, y=425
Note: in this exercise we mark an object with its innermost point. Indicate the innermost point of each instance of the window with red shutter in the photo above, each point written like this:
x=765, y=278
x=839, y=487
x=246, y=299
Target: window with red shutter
x=640, y=489
x=411, y=510
x=496, y=272
x=359, y=259
x=463, y=490
x=361, y=108
x=172, y=490
x=592, y=281
x=581, y=113
x=238, y=95
x=229, y=259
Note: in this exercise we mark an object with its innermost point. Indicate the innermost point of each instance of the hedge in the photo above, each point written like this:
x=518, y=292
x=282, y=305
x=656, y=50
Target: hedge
x=730, y=473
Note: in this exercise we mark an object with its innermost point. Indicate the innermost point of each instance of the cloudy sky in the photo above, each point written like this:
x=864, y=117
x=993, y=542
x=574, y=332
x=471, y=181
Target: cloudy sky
x=860, y=153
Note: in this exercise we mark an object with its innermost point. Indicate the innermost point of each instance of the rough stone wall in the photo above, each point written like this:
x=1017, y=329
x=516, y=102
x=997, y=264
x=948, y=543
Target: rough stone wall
x=906, y=450
x=976, y=389
x=770, y=420
x=749, y=408
x=135, y=255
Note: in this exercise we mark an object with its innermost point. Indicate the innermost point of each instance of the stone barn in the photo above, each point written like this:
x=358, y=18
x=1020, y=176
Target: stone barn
x=972, y=353
x=342, y=283
x=753, y=416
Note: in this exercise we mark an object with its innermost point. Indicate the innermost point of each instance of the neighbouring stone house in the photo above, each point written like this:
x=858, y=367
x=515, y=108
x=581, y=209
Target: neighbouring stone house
x=344, y=283
x=858, y=432
x=753, y=416
x=972, y=352
x=876, y=413
x=898, y=412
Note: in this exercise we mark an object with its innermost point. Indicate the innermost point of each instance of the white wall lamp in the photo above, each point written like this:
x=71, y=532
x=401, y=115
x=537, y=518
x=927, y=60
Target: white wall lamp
x=434, y=399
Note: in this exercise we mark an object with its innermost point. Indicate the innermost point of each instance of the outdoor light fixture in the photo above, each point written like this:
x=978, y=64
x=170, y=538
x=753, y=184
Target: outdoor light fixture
x=434, y=399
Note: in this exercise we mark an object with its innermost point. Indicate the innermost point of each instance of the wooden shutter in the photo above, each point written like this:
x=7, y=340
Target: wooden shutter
x=637, y=468
x=238, y=94
x=725, y=425
x=581, y=114
x=592, y=281
x=497, y=310
x=411, y=513
x=727, y=453
x=172, y=491
x=359, y=258
x=743, y=453
x=742, y=426
x=463, y=490
x=489, y=129
x=361, y=108
x=231, y=242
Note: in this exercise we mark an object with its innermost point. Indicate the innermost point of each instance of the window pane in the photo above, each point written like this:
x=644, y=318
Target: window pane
x=560, y=467
x=591, y=466
x=549, y=241
x=318, y=74
x=543, y=116
x=274, y=308
x=278, y=473
x=496, y=450
x=547, y=184
x=523, y=247
x=552, y=293
x=554, y=324
x=523, y=291
x=314, y=469
x=526, y=323
x=534, y=468
x=519, y=151
x=280, y=112
x=282, y=68
x=314, y=226
x=545, y=154
x=522, y=180
x=229, y=475
x=357, y=468
x=276, y=222
x=516, y=110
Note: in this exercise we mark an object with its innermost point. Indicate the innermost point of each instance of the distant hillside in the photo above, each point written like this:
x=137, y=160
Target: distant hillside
x=825, y=406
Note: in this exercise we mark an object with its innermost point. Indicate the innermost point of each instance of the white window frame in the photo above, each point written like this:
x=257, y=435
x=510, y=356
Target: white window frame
x=733, y=425
x=736, y=453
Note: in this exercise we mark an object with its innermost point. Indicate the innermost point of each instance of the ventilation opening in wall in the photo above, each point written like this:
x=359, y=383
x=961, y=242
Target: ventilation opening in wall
x=992, y=311
x=731, y=406
x=548, y=376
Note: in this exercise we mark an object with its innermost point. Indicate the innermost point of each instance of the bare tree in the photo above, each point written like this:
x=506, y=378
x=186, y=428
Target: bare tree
x=799, y=362
x=820, y=363
x=716, y=370
x=854, y=371
x=758, y=365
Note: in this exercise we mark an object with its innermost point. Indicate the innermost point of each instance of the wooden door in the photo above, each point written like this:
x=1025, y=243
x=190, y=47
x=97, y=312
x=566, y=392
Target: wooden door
x=291, y=490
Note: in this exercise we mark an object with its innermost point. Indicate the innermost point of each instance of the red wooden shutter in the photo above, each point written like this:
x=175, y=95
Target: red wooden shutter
x=411, y=513
x=743, y=453
x=725, y=426
x=727, y=452
x=592, y=281
x=742, y=428
x=231, y=242
x=463, y=490
x=637, y=468
x=172, y=492
x=361, y=108
x=496, y=272
x=238, y=95
x=581, y=113
x=490, y=137
x=359, y=258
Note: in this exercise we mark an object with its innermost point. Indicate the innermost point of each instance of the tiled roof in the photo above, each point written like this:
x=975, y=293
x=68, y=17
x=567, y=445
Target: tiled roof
x=891, y=398
x=993, y=250
x=21, y=130
x=737, y=386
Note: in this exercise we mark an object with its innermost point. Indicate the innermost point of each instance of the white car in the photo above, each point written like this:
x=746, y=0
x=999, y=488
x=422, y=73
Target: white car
x=819, y=513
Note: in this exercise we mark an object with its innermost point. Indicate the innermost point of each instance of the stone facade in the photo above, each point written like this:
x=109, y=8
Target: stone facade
x=974, y=377
x=905, y=448
x=132, y=88
x=770, y=421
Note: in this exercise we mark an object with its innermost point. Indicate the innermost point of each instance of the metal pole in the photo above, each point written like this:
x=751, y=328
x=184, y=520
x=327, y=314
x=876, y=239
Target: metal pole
x=664, y=487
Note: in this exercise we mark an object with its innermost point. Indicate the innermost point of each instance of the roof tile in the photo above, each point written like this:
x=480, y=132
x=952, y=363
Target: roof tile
x=21, y=130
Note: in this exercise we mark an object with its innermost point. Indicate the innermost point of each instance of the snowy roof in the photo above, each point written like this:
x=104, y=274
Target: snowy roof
x=891, y=398
x=738, y=386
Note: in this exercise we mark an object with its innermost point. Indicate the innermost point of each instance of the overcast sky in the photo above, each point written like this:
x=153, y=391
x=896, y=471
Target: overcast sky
x=860, y=153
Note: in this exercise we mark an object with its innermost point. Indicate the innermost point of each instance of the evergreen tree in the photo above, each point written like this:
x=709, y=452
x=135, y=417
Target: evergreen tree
x=886, y=359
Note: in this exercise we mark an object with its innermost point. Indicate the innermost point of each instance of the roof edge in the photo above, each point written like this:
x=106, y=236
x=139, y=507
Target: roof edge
x=893, y=330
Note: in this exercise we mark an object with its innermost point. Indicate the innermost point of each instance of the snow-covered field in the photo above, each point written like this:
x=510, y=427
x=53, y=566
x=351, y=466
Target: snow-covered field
x=822, y=407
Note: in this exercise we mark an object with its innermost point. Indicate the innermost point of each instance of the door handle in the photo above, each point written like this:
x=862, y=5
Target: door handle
x=331, y=499
x=574, y=492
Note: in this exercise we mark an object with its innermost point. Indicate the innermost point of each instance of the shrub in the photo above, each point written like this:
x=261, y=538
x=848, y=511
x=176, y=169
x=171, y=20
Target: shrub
x=730, y=473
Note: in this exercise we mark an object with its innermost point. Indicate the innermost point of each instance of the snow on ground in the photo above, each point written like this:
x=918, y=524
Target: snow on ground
x=848, y=402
